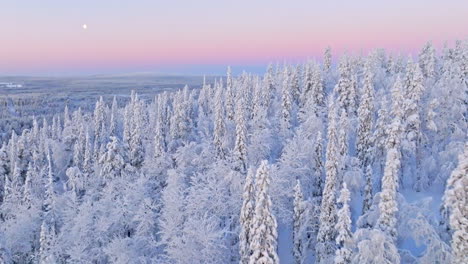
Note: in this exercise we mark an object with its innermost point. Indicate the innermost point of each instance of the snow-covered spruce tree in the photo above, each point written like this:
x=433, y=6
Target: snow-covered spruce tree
x=219, y=125
x=127, y=127
x=160, y=137
x=380, y=135
x=318, y=89
x=327, y=60
x=22, y=157
x=325, y=247
x=307, y=84
x=427, y=60
x=180, y=121
x=137, y=150
x=286, y=104
x=112, y=161
x=299, y=225
x=456, y=200
x=172, y=218
x=47, y=241
x=240, y=144
x=388, y=196
x=343, y=146
x=48, y=235
x=264, y=226
x=295, y=85
x=414, y=89
x=246, y=217
x=364, y=142
x=343, y=226
x=76, y=182
x=318, y=166
x=345, y=87
x=88, y=161
x=99, y=127
x=4, y=170
x=29, y=198
x=230, y=95
x=113, y=118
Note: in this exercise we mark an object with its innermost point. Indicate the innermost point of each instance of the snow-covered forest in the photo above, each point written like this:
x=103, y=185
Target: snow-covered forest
x=360, y=161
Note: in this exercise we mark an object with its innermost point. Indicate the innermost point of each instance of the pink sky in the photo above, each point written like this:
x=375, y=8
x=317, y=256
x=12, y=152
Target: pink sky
x=149, y=35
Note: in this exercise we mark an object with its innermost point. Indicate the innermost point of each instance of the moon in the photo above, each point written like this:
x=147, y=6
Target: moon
x=85, y=26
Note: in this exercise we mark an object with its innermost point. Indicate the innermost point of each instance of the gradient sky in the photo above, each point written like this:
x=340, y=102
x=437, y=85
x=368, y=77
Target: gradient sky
x=175, y=36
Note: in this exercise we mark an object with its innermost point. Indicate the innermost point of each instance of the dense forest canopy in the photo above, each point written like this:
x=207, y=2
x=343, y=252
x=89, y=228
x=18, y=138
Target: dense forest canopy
x=365, y=162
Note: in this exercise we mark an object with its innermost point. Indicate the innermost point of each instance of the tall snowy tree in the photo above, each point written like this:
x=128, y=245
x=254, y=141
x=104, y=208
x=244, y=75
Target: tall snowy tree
x=325, y=247
x=264, y=225
x=4, y=170
x=112, y=161
x=286, y=104
x=343, y=227
x=48, y=235
x=364, y=142
x=318, y=168
x=427, y=60
x=99, y=127
x=327, y=59
x=388, y=196
x=299, y=225
x=414, y=89
x=113, y=118
x=345, y=88
x=219, y=125
x=240, y=144
x=172, y=218
x=246, y=217
x=137, y=150
x=456, y=200
x=230, y=95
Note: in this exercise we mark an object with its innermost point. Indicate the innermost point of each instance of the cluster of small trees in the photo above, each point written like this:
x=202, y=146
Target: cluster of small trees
x=212, y=175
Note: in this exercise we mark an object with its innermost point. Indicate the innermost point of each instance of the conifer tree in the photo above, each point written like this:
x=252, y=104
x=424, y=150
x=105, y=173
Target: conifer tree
x=48, y=235
x=343, y=227
x=47, y=242
x=128, y=127
x=456, y=200
x=230, y=95
x=286, y=104
x=246, y=217
x=318, y=168
x=427, y=60
x=160, y=138
x=325, y=247
x=99, y=126
x=240, y=147
x=345, y=88
x=364, y=142
x=113, y=118
x=317, y=90
x=295, y=85
x=299, y=225
x=264, y=225
x=4, y=170
x=307, y=84
x=414, y=90
x=219, y=125
x=327, y=59
x=88, y=161
x=28, y=190
x=343, y=146
x=388, y=204
x=137, y=151
x=112, y=161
